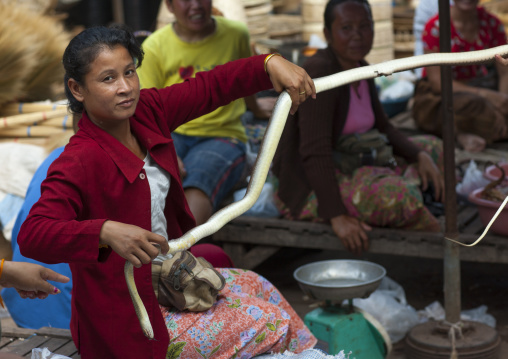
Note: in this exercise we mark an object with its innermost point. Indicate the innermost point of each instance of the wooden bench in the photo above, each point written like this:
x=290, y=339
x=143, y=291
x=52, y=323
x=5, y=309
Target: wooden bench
x=21, y=341
x=250, y=240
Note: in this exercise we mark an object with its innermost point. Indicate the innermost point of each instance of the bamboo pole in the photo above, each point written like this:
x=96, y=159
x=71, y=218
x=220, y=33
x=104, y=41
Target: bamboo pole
x=30, y=118
x=61, y=122
x=37, y=141
x=17, y=108
x=31, y=131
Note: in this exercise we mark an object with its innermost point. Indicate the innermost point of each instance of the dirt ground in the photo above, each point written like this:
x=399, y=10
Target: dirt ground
x=422, y=280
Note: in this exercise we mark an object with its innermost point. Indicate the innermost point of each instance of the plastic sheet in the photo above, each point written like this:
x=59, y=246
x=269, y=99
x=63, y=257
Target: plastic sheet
x=473, y=179
x=265, y=204
x=389, y=306
x=44, y=353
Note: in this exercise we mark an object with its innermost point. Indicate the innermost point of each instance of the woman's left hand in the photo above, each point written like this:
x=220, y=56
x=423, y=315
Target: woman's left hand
x=287, y=76
x=429, y=172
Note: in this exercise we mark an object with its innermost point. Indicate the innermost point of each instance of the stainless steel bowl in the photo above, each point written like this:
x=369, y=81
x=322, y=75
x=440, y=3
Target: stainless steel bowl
x=339, y=279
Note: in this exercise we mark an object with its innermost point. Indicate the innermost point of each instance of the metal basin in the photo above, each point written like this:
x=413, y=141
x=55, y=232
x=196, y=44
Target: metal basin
x=338, y=280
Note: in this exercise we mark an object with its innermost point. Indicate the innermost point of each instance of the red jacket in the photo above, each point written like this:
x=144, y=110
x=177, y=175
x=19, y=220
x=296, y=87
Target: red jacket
x=96, y=178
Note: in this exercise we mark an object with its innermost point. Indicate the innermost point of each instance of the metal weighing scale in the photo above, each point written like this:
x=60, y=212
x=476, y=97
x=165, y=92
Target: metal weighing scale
x=338, y=326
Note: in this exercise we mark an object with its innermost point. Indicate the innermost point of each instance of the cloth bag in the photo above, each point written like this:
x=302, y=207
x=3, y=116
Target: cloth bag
x=363, y=149
x=186, y=282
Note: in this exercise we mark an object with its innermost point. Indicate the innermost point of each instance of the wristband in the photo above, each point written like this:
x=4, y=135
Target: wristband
x=269, y=57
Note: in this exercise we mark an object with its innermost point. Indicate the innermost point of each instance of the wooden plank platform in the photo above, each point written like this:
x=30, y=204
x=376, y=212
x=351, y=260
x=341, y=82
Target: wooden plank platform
x=250, y=240
x=21, y=341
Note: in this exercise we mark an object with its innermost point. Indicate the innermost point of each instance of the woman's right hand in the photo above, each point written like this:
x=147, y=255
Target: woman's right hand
x=352, y=233
x=287, y=76
x=133, y=243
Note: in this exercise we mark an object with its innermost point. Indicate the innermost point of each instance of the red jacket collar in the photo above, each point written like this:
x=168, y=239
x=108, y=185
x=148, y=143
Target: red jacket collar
x=128, y=163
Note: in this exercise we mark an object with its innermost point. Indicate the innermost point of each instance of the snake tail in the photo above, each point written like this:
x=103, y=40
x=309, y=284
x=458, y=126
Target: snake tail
x=140, y=309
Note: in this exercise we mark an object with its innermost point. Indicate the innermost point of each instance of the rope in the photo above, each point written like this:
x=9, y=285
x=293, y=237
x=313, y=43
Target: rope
x=451, y=334
x=503, y=204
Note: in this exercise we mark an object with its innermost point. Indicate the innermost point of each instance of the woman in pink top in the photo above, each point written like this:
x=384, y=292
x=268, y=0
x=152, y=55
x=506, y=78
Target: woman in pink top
x=310, y=185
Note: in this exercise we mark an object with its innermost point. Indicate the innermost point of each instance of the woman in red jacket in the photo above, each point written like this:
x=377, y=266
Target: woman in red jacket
x=116, y=190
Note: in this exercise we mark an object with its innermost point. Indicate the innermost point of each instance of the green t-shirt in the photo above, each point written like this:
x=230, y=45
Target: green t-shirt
x=169, y=60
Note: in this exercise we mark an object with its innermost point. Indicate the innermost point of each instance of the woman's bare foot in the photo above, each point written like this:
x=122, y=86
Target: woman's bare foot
x=470, y=142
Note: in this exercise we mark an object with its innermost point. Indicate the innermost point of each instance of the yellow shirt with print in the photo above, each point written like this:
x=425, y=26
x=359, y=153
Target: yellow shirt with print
x=169, y=60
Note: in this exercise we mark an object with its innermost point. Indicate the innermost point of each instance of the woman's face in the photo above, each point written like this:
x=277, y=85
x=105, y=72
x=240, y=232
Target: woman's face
x=466, y=5
x=110, y=92
x=192, y=16
x=351, y=33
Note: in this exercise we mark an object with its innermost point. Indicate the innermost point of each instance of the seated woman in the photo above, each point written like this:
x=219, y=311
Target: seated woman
x=310, y=185
x=480, y=92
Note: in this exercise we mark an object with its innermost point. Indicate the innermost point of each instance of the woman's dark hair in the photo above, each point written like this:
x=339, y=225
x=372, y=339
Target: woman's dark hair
x=84, y=48
x=329, y=16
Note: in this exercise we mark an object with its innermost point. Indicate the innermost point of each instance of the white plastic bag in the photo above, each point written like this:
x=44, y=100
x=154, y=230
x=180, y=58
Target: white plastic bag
x=265, y=204
x=473, y=179
x=388, y=305
x=44, y=353
x=436, y=311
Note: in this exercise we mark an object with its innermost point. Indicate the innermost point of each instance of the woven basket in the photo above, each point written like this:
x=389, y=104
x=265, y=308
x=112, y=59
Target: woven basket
x=261, y=10
x=287, y=6
x=282, y=25
x=312, y=11
x=311, y=28
x=381, y=54
x=381, y=9
x=383, y=34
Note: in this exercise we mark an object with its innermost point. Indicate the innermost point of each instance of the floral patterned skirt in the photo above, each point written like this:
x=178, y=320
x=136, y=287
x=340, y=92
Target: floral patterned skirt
x=382, y=196
x=250, y=317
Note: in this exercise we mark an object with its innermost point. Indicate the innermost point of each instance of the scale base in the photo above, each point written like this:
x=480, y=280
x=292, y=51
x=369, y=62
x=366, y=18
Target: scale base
x=430, y=341
x=339, y=328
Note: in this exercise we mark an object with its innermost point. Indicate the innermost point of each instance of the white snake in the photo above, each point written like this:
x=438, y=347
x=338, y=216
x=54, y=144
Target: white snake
x=271, y=140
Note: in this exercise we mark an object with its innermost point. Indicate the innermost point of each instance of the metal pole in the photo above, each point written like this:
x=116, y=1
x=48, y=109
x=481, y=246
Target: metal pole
x=452, y=300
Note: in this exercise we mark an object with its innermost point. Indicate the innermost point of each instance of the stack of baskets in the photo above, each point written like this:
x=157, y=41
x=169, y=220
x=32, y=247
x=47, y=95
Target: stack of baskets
x=382, y=48
x=257, y=13
x=287, y=6
x=404, y=41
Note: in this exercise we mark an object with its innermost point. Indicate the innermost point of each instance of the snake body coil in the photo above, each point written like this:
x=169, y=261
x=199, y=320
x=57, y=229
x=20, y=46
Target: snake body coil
x=271, y=140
